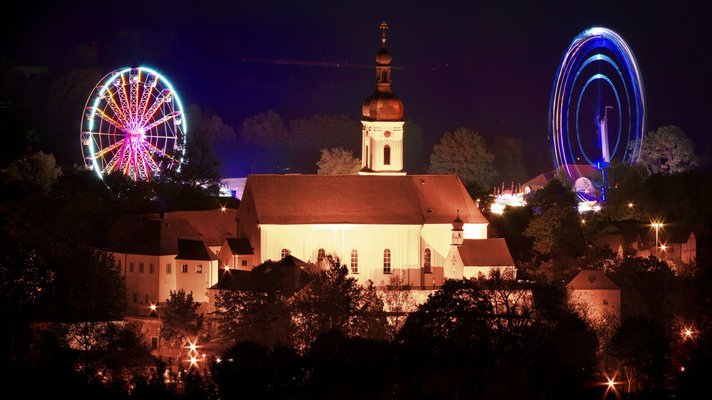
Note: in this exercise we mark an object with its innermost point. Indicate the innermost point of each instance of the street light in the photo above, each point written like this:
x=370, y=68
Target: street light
x=657, y=225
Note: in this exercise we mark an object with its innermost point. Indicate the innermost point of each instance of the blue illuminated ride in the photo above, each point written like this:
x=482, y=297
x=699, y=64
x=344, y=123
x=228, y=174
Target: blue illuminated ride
x=597, y=109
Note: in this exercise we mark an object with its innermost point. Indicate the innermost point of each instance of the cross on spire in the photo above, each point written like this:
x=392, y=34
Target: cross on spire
x=384, y=28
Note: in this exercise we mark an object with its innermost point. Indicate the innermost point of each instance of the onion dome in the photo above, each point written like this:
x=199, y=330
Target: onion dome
x=383, y=57
x=383, y=105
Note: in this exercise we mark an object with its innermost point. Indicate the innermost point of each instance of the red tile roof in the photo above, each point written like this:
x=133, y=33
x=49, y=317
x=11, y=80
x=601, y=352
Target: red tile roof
x=357, y=199
x=590, y=279
x=214, y=225
x=485, y=252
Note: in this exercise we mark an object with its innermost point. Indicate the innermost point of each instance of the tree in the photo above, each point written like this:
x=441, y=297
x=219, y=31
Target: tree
x=667, y=150
x=36, y=171
x=332, y=300
x=465, y=154
x=398, y=302
x=640, y=349
x=319, y=130
x=258, y=317
x=265, y=129
x=181, y=320
x=202, y=164
x=508, y=159
x=555, y=228
x=337, y=161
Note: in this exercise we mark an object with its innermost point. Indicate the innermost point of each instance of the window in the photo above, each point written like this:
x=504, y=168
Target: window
x=243, y=263
x=154, y=343
x=140, y=268
x=285, y=253
x=386, y=155
x=184, y=268
x=605, y=302
x=134, y=298
x=427, y=260
x=131, y=266
x=168, y=268
x=387, y=261
x=199, y=269
x=354, y=261
x=320, y=255
x=150, y=268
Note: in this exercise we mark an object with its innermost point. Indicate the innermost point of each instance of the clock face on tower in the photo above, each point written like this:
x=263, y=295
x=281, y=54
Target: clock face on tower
x=387, y=133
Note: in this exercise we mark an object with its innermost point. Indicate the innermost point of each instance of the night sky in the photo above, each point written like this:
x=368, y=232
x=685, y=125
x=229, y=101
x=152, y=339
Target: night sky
x=485, y=65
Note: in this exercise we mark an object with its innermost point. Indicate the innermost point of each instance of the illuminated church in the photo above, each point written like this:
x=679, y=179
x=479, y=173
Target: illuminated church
x=380, y=223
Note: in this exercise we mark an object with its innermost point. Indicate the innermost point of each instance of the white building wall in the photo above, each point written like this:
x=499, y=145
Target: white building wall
x=304, y=241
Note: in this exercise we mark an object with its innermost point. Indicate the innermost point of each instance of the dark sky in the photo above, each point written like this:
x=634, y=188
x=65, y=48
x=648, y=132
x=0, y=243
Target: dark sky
x=485, y=65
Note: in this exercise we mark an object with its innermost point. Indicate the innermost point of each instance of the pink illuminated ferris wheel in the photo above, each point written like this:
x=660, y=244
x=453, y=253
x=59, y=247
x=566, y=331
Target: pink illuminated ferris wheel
x=134, y=123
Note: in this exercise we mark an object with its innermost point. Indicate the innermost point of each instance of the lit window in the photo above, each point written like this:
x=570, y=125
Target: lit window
x=427, y=260
x=199, y=269
x=320, y=255
x=244, y=263
x=285, y=253
x=168, y=268
x=150, y=268
x=131, y=267
x=184, y=268
x=386, y=155
x=140, y=268
x=387, y=261
x=354, y=261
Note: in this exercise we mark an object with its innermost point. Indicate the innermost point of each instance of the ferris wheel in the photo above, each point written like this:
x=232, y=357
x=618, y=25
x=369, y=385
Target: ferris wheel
x=134, y=123
x=597, y=109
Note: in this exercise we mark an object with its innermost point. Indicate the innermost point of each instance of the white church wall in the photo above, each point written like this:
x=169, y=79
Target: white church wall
x=304, y=241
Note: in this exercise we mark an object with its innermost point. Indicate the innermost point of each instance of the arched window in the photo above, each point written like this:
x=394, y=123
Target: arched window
x=354, y=261
x=386, y=155
x=387, y=261
x=320, y=255
x=427, y=260
x=285, y=253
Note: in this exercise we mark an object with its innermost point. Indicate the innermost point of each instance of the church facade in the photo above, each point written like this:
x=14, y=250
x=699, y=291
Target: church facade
x=381, y=223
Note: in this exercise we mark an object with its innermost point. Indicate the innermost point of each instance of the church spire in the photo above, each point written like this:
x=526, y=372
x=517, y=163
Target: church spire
x=384, y=28
x=382, y=123
x=457, y=232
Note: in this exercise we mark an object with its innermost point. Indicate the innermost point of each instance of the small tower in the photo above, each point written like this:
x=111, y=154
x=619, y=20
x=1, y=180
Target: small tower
x=382, y=123
x=457, y=231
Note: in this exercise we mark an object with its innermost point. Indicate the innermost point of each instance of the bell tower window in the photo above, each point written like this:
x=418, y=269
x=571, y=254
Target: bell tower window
x=386, y=155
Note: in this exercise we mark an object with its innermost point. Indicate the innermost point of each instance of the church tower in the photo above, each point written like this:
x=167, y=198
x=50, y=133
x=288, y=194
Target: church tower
x=382, y=122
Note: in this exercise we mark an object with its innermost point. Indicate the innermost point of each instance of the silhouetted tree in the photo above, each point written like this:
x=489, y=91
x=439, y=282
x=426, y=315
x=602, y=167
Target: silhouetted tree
x=181, y=320
x=667, y=150
x=337, y=161
x=464, y=154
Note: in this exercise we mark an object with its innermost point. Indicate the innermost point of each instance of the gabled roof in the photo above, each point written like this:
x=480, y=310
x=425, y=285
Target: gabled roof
x=194, y=250
x=590, y=279
x=214, y=225
x=148, y=234
x=239, y=246
x=485, y=252
x=574, y=170
x=358, y=199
